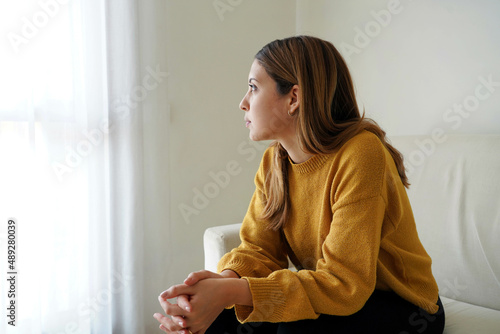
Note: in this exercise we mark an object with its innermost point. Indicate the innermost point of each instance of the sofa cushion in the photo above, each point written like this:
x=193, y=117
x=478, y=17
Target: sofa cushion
x=456, y=202
x=463, y=318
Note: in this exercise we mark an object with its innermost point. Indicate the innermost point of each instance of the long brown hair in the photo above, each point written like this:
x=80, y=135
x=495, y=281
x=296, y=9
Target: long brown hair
x=328, y=115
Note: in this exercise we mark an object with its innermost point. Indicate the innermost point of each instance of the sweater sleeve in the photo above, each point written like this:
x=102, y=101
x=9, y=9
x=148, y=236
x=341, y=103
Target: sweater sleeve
x=345, y=275
x=261, y=251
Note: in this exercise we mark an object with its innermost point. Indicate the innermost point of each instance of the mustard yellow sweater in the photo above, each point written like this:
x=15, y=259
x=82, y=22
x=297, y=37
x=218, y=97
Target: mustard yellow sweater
x=351, y=228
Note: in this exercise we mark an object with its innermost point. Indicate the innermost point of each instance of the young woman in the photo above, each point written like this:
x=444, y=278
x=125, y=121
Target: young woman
x=330, y=194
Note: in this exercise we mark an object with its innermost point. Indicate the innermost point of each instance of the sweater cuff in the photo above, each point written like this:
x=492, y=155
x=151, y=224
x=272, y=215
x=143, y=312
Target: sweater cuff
x=239, y=267
x=268, y=302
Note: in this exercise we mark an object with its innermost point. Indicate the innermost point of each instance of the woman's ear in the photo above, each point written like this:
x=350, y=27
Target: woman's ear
x=294, y=99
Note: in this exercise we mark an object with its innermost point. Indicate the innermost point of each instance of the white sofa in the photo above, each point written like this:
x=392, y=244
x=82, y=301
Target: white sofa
x=455, y=196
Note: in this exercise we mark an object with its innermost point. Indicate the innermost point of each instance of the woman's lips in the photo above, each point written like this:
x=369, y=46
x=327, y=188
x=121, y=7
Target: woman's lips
x=247, y=123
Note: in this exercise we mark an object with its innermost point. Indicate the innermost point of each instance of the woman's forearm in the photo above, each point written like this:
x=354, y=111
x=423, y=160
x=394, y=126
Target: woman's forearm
x=229, y=274
x=238, y=292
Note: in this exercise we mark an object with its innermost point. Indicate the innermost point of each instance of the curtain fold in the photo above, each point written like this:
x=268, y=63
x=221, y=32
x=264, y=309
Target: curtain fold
x=72, y=138
x=125, y=164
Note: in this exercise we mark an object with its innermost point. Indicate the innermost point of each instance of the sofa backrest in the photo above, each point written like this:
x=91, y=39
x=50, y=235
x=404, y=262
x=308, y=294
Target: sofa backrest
x=455, y=196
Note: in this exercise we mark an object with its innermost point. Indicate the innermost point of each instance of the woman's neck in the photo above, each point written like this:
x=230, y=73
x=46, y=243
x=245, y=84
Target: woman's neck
x=295, y=152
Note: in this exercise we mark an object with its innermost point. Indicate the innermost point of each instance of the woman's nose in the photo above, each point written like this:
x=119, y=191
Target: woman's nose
x=244, y=103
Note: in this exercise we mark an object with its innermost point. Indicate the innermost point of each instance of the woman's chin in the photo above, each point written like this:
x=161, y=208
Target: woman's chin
x=255, y=137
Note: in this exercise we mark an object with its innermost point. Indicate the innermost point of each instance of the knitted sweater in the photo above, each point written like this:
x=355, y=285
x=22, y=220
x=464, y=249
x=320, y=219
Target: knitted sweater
x=352, y=230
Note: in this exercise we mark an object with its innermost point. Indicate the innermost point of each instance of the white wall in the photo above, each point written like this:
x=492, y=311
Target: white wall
x=153, y=54
x=208, y=63
x=419, y=62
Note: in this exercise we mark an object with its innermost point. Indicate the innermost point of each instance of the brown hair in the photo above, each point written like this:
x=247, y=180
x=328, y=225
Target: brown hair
x=328, y=115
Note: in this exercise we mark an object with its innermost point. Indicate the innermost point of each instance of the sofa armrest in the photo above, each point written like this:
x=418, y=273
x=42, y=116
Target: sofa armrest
x=218, y=241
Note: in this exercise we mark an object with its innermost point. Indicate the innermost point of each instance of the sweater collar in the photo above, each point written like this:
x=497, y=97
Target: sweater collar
x=310, y=165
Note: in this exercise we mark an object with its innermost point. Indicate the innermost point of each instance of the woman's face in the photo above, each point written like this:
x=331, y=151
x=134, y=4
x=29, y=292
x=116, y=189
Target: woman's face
x=266, y=111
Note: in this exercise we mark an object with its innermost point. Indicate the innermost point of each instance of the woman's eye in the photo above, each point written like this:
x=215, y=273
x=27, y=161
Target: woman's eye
x=252, y=87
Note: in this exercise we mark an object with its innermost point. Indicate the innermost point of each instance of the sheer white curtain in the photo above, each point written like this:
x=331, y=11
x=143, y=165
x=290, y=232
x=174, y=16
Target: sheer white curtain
x=71, y=171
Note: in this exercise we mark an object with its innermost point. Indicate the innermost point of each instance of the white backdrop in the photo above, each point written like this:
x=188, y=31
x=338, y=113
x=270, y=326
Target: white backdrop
x=417, y=64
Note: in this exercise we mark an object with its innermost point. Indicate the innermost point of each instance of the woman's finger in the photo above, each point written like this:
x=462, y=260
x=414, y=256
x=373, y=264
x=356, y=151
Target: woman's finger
x=171, y=309
x=179, y=320
x=176, y=291
x=183, y=302
x=168, y=324
x=197, y=276
x=182, y=331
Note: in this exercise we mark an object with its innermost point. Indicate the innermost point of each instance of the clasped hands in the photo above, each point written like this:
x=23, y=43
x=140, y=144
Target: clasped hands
x=200, y=300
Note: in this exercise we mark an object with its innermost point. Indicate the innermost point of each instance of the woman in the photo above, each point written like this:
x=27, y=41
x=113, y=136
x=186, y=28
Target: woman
x=330, y=194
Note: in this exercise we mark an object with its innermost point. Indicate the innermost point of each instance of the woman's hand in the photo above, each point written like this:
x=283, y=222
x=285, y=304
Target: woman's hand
x=176, y=323
x=197, y=276
x=208, y=297
x=178, y=312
